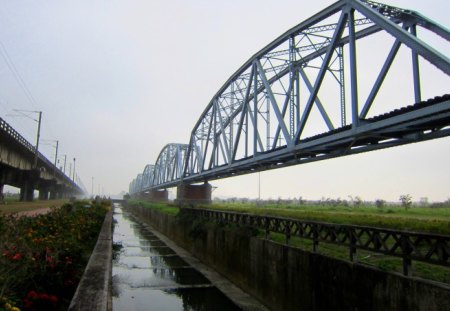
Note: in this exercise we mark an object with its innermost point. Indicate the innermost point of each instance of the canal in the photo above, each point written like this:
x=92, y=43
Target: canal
x=149, y=275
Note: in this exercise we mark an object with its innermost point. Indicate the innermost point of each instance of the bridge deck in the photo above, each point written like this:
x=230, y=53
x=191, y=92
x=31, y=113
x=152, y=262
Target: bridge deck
x=413, y=123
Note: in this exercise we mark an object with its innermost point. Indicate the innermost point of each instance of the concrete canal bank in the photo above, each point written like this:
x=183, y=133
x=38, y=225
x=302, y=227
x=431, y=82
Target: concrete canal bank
x=286, y=278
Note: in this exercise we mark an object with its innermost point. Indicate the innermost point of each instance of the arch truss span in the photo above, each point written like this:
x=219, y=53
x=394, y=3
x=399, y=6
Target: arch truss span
x=169, y=168
x=350, y=79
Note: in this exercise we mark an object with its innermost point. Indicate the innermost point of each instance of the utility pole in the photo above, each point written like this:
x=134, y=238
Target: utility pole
x=37, y=140
x=92, y=190
x=56, y=153
x=73, y=179
x=23, y=113
x=63, y=168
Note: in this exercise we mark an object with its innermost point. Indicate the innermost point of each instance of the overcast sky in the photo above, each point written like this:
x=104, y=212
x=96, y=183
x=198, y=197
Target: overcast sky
x=118, y=80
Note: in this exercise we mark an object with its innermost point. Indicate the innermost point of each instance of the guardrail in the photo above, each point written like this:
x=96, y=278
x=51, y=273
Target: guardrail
x=424, y=247
x=10, y=131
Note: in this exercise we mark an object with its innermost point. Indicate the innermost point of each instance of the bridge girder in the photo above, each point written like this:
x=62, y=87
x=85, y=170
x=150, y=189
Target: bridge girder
x=276, y=109
x=17, y=164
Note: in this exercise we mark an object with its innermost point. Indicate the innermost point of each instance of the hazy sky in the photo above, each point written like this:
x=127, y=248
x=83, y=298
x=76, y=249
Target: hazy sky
x=118, y=80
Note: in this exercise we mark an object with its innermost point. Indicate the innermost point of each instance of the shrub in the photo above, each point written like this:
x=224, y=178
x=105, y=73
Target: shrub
x=42, y=258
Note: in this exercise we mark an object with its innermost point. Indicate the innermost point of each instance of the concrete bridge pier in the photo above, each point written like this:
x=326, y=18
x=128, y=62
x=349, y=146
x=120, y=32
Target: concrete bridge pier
x=194, y=194
x=27, y=190
x=157, y=195
x=62, y=192
x=53, y=189
x=45, y=188
x=29, y=184
x=43, y=193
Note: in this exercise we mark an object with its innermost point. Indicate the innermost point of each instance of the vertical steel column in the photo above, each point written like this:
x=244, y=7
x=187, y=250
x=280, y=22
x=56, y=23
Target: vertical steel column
x=255, y=110
x=231, y=144
x=340, y=52
x=203, y=133
x=353, y=71
x=291, y=95
x=215, y=149
x=297, y=95
x=246, y=131
x=416, y=73
x=267, y=122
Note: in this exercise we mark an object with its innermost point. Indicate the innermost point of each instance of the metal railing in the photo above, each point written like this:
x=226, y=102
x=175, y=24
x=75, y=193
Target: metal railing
x=424, y=247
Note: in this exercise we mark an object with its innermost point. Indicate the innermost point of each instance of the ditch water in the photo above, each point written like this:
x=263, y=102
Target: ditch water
x=149, y=275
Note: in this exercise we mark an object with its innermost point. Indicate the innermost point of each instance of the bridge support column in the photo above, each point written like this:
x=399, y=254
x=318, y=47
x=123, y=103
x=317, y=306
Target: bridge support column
x=54, y=188
x=194, y=194
x=27, y=190
x=43, y=194
x=29, y=184
x=156, y=195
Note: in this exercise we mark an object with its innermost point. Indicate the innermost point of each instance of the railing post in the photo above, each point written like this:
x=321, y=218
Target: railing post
x=352, y=238
x=315, y=238
x=287, y=232
x=267, y=225
x=406, y=250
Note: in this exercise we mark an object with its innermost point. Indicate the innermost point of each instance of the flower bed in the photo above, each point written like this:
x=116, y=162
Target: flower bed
x=42, y=258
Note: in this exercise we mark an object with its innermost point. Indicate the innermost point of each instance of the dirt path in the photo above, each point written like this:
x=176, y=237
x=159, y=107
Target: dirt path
x=31, y=208
x=35, y=212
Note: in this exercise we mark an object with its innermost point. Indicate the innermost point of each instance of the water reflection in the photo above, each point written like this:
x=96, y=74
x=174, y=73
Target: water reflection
x=149, y=275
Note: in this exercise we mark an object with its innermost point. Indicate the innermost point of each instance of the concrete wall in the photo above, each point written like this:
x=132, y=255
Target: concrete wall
x=94, y=290
x=286, y=278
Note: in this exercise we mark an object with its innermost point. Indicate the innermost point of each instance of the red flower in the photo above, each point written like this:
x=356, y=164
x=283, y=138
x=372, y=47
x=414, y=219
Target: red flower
x=32, y=294
x=53, y=299
x=17, y=256
x=44, y=296
x=27, y=303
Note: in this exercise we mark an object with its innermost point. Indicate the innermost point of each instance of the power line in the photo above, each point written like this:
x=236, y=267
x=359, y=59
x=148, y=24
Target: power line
x=17, y=75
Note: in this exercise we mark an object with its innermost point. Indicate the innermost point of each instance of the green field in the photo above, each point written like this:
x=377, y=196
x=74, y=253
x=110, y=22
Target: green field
x=421, y=219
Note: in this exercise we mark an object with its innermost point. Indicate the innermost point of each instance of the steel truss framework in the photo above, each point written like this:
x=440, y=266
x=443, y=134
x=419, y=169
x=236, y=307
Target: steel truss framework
x=269, y=113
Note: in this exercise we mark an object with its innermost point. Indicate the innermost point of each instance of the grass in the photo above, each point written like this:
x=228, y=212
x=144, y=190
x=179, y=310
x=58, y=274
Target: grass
x=421, y=219
x=162, y=207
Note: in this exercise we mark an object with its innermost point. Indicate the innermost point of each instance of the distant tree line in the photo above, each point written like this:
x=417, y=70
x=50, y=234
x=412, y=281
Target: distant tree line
x=405, y=201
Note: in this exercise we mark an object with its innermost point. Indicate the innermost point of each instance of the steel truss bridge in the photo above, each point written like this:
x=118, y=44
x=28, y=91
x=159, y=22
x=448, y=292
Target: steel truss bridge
x=297, y=99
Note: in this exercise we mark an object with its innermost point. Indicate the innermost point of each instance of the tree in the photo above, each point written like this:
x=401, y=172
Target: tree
x=406, y=200
x=380, y=203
